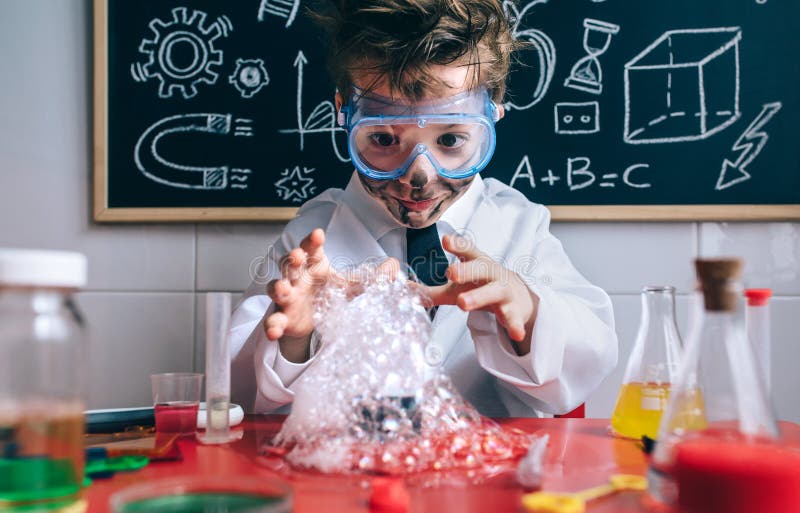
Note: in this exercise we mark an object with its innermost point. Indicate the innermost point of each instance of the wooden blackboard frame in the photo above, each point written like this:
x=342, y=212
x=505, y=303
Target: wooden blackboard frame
x=104, y=213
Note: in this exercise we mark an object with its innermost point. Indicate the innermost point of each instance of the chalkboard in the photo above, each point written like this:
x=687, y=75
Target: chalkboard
x=685, y=110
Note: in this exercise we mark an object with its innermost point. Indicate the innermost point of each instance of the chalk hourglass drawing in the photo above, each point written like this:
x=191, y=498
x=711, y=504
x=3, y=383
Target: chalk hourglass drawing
x=587, y=74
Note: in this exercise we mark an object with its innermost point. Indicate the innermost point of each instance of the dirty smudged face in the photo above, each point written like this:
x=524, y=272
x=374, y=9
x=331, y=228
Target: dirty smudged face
x=418, y=201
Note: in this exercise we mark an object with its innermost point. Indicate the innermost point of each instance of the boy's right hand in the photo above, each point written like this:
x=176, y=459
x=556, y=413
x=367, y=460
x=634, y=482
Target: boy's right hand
x=303, y=271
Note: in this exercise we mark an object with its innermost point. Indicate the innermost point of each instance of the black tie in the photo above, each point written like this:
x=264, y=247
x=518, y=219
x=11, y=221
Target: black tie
x=425, y=255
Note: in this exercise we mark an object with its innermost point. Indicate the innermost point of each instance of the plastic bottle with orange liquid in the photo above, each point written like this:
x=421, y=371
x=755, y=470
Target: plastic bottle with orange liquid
x=651, y=367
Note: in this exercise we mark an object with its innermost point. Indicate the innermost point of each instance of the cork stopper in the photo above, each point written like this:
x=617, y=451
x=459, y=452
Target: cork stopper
x=715, y=277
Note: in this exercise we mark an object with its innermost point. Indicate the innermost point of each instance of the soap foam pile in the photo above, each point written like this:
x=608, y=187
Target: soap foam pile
x=369, y=403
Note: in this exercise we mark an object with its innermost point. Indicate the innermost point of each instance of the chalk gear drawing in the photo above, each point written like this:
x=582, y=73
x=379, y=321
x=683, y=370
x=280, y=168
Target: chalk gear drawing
x=187, y=34
x=249, y=77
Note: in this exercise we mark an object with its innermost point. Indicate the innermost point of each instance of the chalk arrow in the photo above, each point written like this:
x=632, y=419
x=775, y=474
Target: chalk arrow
x=749, y=144
x=299, y=61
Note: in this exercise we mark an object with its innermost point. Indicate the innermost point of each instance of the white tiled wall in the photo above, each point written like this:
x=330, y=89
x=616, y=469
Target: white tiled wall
x=147, y=282
x=133, y=335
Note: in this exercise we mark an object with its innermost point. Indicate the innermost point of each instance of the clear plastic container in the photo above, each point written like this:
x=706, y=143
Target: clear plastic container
x=42, y=371
x=652, y=367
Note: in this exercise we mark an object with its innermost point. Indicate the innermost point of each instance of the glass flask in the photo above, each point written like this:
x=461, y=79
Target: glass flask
x=651, y=368
x=42, y=369
x=718, y=396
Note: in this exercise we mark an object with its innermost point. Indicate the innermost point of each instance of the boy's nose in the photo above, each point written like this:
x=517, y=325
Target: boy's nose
x=419, y=173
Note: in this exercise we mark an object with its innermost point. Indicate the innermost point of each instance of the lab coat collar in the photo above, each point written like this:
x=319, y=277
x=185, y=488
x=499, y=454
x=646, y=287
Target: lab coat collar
x=377, y=221
x=458, y=216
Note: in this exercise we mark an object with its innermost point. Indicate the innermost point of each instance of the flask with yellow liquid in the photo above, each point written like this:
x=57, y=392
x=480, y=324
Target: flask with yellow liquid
x=651, y=368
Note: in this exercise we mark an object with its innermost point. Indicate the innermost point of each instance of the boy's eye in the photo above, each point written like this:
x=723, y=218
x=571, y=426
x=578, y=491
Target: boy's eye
x=450, y=140
x=382, y=138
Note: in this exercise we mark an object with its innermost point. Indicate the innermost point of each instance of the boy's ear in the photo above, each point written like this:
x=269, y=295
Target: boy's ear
x=338, y=101
x=501, y=111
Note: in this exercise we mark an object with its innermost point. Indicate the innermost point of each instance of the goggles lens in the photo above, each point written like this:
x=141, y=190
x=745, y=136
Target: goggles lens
x=454, y=135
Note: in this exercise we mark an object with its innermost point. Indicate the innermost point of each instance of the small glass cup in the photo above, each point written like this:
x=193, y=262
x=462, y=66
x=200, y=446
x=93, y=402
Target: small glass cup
x=176, y=398
x=211, y=493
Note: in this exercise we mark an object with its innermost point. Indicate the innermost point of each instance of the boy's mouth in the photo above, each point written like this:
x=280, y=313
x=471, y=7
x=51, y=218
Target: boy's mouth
x=418, y=206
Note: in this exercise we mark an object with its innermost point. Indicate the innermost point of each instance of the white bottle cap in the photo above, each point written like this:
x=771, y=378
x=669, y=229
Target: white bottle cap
x=42, y=268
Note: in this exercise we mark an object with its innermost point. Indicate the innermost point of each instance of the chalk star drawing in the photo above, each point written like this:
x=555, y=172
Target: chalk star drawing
x=187, y=30
x=296, y=185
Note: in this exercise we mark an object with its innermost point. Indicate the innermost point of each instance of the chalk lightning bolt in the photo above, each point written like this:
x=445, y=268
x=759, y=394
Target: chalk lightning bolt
x=750, y=144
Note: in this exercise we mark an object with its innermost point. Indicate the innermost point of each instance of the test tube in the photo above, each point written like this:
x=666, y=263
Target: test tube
x=218, y=369
x=757, y=320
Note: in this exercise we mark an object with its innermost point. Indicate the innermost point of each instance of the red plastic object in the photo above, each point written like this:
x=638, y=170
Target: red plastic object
x=735, y=477
x=389, y=495
x=758, y=297
x=577, y=413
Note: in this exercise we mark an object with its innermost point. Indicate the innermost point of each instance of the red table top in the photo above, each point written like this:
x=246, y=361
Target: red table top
x=581, y=454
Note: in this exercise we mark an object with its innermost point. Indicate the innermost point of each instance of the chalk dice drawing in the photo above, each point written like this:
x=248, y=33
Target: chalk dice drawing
x=683, y=87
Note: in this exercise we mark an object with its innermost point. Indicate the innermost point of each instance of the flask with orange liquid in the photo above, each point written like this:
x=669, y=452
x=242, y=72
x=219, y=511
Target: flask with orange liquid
x=651, y=366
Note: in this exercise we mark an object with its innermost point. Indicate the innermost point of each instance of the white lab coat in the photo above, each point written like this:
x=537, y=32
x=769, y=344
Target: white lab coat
x=573, y=346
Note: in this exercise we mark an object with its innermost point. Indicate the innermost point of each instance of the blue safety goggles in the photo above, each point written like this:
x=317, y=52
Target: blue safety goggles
x=455, y=134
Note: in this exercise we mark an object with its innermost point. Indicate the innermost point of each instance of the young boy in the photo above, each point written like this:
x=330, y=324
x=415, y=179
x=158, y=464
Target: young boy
x=420, y=85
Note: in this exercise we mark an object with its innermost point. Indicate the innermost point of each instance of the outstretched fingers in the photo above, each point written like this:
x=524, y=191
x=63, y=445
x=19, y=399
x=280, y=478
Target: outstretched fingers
x=313, y=244
x=279, y=291
x=478, y=271
x=461, y=247
x=482, y=297
x=292, y=265
x=275, y=325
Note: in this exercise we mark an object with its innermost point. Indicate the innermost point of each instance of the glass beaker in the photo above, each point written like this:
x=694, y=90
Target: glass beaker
x=42, y=371
x=652, y=366
x=718, y=395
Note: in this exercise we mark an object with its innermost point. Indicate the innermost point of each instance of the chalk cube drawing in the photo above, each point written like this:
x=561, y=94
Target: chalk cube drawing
x=683, y=87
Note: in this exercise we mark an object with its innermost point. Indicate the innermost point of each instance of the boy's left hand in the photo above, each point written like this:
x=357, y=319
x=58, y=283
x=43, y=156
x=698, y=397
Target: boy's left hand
x=479, y=283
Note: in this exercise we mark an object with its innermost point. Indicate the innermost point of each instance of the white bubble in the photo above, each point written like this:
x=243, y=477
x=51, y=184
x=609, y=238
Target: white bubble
x=364, y=404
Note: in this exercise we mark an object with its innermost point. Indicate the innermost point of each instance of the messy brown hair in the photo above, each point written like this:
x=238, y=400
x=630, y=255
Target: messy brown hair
x=400, y=40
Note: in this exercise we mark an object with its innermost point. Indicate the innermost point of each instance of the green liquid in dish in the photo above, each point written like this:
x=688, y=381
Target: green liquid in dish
x=203, y=502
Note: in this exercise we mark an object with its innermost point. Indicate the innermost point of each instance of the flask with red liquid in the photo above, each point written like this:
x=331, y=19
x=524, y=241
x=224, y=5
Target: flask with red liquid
x=718, y=442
